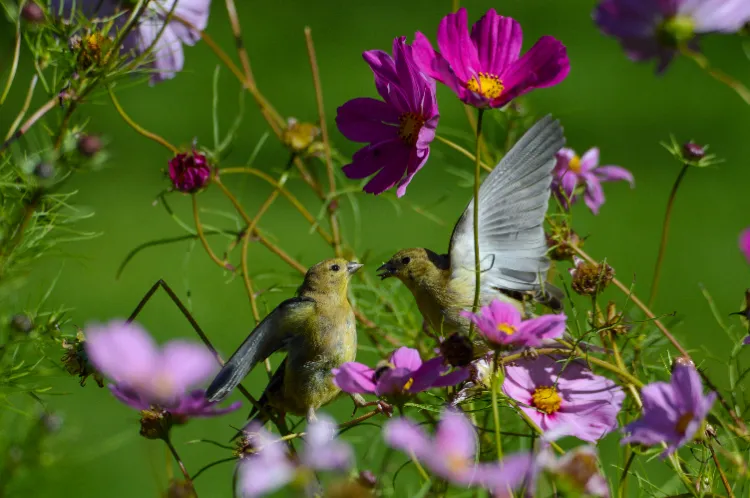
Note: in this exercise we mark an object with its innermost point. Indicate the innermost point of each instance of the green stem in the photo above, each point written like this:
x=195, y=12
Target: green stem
x=477, y=175
x=177, y=458
x=496, y=409
x=622, y=487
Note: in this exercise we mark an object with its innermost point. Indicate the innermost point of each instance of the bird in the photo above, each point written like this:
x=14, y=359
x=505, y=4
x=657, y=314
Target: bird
x=513, y=201
x=318, y=331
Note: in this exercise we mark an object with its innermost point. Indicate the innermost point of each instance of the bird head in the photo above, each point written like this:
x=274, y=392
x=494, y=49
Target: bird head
x=413, y=265
x=330, y=276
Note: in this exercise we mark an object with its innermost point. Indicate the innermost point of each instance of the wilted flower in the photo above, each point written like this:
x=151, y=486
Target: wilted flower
x=405, y=374
x=590, y=278
x=451, y=453
x=612, y=321
x=673, y=412
x=564, y=396
x=484, y=69
x=561, y=241
x=76, y=360
x=649, y=29
x=500, y=323
x=572, y=171
x=399, y=129
x=189, y=172
x=745, y=243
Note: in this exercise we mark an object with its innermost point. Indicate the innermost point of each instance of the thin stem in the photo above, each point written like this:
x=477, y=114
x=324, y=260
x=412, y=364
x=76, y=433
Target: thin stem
x=622, y=486
x=16, y=56
x=496, y=409
x=419, y=467
x=720, y=76
x=202, y=237
x=665, y=234
x=234, y=20
x=213, y=464
x=48, y=106
x=152, y=136
x=25, y=108
x=177, y=457
x=326, y=143
x=455, y=4
x=477, y=178
x=458, y=148
x=724, y=480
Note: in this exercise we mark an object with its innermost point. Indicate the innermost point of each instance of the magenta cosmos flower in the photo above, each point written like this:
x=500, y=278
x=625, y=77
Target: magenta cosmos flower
x=564, y=397
x=405, y=374
x=672, y=412
x=399, y=128
x=146, y=376
x=572, y=172
x=189, y=172
x=270, y=468
x=745, y=243
x=485, y=69
x=500, y=323
x=451, y=453
x=654, y=29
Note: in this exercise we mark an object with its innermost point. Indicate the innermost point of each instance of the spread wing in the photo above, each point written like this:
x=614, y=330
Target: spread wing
x=271, y=334
x=512, y=203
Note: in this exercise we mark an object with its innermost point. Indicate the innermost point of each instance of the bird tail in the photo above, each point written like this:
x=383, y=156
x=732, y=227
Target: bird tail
x=550, y=296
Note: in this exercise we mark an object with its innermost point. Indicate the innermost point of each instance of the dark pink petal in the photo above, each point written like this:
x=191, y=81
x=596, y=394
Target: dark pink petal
x=614, y=173
x=428, y=374
x=544, y=65
x=451, y=379
x=745, y=243
x=503, y=313
x=409, y=76
x=543, y=327
x=129, y=397
x=386, y=78
x=746, y=340
x=395, y=381
x=354, y=378
x=498, y=40
x=367, y=120
x=394, y=158
x=407, y=358
x=417, y=159
x=429, y=62
x=456, y=46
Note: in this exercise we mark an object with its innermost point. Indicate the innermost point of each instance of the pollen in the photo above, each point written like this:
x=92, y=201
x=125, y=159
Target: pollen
x=410, y=124
x=489, y=85
x=506, y=329
x=408, y=384
x=683, y=422
x=546, y=399
x=575, y=164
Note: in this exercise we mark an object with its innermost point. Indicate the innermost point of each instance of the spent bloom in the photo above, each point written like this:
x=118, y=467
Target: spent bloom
x=572, y=172
x=398, y=129
x=404, y=374
x=500, y=323
x=673, y=412
x=189, y=172
x=269, y=468
x=451, y=453
x=565, y=397
x=485, y=68
x=745, y=243
x=146, y=376
x=656, y=29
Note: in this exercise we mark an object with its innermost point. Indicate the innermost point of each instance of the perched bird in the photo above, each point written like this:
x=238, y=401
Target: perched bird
x=317, y=330
x=513, y=263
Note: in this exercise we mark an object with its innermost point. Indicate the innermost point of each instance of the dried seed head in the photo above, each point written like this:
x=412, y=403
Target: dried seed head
x=302, y=138
x=590, y=278
x=93, y=50
x=155, y=423
x=457, y=350
x=612, y=321
x=561, y=241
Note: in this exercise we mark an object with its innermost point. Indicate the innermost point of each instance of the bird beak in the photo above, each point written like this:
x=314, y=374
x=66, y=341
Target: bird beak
x=385, y=271
x=353, y=266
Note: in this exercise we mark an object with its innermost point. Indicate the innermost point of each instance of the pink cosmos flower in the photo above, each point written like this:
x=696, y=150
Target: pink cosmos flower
x=745, y=243
x=572, y=171
x=485, y=69
x=406, y=374
x=672, y=412
x=145, y=375
x=571, y=399
x=451, y=453
x=399, y=128
x=500, y=323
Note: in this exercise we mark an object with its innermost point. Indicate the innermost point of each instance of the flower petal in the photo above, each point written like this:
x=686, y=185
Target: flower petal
x=407, y=358
x=457, y=47
x=185, y=365
x=614, y=173
x=590, y=159
x=324, y=451
x=367, y=120
x=455, y=436
x=354, y=378
x=543, y=327
x=745, y=243
x=124, y=352
x=498, y=41
x=405, y=435
x=544, y=65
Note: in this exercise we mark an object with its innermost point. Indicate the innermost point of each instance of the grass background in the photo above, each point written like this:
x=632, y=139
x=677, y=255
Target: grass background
x=607, y=101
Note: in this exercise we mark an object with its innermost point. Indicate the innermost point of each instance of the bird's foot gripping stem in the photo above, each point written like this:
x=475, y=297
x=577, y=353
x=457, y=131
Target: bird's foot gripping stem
x=530, y=354
x=382, y=406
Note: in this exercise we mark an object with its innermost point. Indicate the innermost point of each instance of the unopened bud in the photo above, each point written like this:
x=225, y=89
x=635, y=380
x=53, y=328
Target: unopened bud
x=682, y=361
x=21, y=323
x=44, y=170
x=89, y=145
x=693, y=152
x=155, y=423
x=33, y=13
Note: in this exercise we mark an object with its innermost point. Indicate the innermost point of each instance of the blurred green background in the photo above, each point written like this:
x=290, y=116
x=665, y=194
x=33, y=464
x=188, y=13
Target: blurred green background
x=607, y=101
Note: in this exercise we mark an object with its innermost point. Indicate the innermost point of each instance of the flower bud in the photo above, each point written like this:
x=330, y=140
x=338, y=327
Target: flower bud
x=21, y=322
x=44, y=170
x=590, y=278
x=681, y=361
x=181, y=489
x=155, y=423
x=301, y=138
x=189, y=172
x=32, y=13
x=693, y=152
x=89, y=145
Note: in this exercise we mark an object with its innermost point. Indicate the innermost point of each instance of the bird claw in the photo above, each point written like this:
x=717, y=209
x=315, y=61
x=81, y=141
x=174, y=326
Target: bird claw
x=381, y=406
x=530, y=354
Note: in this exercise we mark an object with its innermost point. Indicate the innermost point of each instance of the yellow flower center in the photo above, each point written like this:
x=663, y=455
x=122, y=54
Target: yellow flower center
x=409, y=126
x=546, y=399
x=575, y=164
x=489, y=85
x=683, y=422
x=408, y=384
x=506, y=329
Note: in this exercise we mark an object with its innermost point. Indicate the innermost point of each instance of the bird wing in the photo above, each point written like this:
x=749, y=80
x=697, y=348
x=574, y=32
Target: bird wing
x=271, y=334
x=512, y=203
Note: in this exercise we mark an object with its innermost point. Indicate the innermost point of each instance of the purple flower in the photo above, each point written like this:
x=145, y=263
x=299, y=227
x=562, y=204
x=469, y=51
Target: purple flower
x=145, y=375
x=485, y=68
x=572, y=171
x=399, y=129
x=451, y=453
x=672, y=412
x=655, y=29
x=745, y=243
x=406, y=374
x=562, y=397
x=189, y=172
x=500, y=323
x=269, y=468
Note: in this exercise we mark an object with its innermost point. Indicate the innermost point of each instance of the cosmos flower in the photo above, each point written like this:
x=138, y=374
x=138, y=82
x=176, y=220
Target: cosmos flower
x=672, y=412
x=745, y=243
x=189, y=172
x=485, y=68
x=451, y=453
x=572, y=171
x=405, y=374
x=500, y=323
x=398, y=129
x=564, y=396
x=145, y=376
x=655, y=29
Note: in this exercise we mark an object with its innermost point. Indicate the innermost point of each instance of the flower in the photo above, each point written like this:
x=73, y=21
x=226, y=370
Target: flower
x=564, y=396
x=146, y=376
x=572, y=171
x=672, y=412
x=500, y=323
x=484, y=69
x=399, y=129
x=649, y=29
x=189, y=172
x=451, y=453
x=269, y=468
x=745, y=243
x=405, y=374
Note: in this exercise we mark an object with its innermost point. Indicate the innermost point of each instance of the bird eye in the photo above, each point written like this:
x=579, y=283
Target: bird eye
x=406, y=260
x=335, y=267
